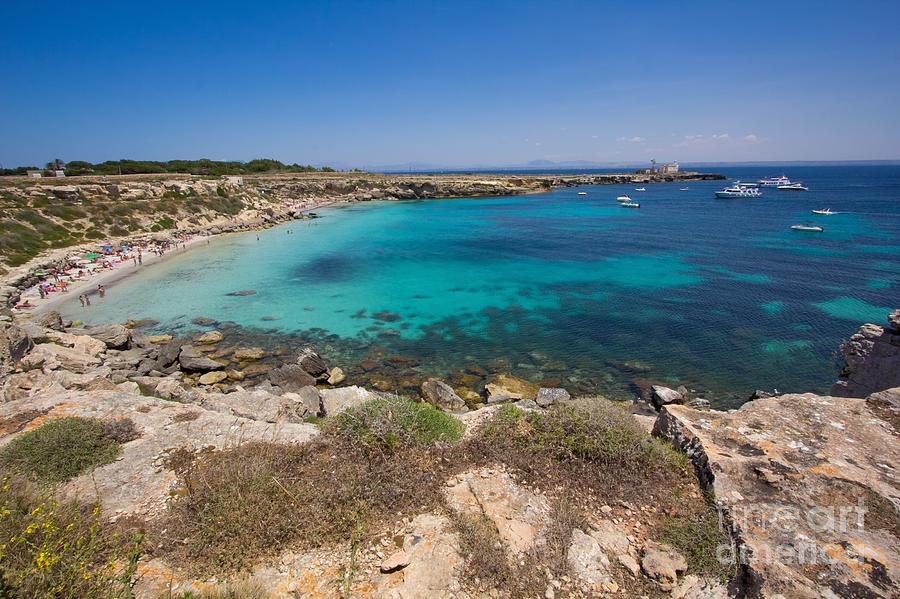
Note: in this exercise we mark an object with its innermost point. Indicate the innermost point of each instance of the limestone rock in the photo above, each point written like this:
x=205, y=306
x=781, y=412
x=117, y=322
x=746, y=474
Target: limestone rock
x=441, y=395
x=310, y=400
x=662, y=563
x=662, y=396
x=335, y=401
x=249, y=353
x=587, y=561
x=291, y=377
x=158, y=339
x=211, y=378
x=169, y=388
x=311, y=362
x=505, y=387
x=255, y=405
x=871, y=360
x=547, y=397
x=519, y=514
x=210, y=337
x=50, y=320
x=336, y=376
x=53, y=356
x=778, y=467
x=611, y=538
x=115, y=336
x=192, y=360
x=396, y=561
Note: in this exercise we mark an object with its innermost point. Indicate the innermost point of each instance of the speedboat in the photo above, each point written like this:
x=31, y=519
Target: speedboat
x=582, y=193
x=812, y=228
x=630, y=205
x=825, y=211
x=639, y=189
x=775, y=181
x=683, y=189
x=739, y=191
x=623, y=199
x=793, y=187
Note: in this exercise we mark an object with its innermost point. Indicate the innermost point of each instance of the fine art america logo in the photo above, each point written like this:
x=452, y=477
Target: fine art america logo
x=796, y=528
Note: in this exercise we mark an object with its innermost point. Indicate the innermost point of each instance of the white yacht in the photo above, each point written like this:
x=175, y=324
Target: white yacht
x=739, y=191
x=640, y=189
x=630, y=205
x=582, y=193
x=824, y=211
x=813, y=228
x=683, y=189
x=793, y=187
x=775, y=181
x=623, y=199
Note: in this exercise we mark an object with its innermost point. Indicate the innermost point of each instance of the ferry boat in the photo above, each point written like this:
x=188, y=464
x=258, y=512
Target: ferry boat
x=793, y=187
x=582, y=193
x=623, y=199
x=813, y=228
x=775, y=181
x=630, y=205
x=739, y=191
x=824, y=211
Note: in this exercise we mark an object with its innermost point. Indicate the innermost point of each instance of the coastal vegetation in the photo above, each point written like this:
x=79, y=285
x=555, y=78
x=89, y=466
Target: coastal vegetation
x=203, y=166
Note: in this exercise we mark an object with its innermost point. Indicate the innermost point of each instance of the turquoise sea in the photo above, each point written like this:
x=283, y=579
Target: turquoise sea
x=718, y=294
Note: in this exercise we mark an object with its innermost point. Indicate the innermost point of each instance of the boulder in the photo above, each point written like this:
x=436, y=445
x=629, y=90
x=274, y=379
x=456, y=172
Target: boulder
x=336, y=376
x=291, y=377
x=211, y=378
x=169, y=388
x=158, y=339
x=335, y=401
x=311, y=400
x=50, y=320
x=662, y=396
x=506, y=387
x=255, y=405
x=441, y=395
x=15, y=344
x=894, y=320
x=115, y=336
x=311, y=362
x=192, y=360
x=169, y=353
x=52, y=356
x=244, y=354
x=547, y=397
x=759, y=394
x=663, y=564
x=209, y=338
x=802, y=479
x=396, y=561
x=871, y=360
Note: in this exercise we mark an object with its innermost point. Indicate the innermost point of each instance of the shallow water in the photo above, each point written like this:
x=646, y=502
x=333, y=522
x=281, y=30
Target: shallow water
x=719, y=294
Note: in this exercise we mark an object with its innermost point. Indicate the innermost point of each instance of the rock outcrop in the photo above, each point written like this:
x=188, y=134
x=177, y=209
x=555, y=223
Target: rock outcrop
x=871, y=360
x=810, y=488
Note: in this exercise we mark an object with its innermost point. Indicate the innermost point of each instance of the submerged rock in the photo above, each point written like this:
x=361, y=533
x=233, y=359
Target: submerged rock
x=210, y=337
x=242, y=293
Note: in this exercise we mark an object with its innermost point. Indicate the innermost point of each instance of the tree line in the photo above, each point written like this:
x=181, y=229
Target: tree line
x=204, y=166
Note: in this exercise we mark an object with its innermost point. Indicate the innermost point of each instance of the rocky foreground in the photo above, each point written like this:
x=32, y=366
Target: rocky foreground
x=806, y=487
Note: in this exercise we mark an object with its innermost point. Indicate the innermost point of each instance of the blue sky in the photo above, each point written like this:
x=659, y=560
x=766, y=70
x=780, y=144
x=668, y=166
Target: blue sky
x=450, y=83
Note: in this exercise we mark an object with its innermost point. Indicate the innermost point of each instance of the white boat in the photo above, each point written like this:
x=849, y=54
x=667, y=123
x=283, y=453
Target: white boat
x=640, y=189
x=683, y=189
x=630, y=205
x=742, y=184
x=793, y=187
x=623, y=199
x=825, y=211
x=582, y=193
x=739, y=191
x=775, y=181
x=813, y=228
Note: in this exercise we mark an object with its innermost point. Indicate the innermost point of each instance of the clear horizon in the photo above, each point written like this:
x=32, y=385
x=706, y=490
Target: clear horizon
x=358, y=84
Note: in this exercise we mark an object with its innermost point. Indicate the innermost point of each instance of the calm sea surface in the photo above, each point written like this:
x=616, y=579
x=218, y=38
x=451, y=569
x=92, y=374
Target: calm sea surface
x=718, y=294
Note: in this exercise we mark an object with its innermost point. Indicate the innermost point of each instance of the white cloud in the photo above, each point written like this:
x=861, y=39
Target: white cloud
x=753, y=138
x=635, y=140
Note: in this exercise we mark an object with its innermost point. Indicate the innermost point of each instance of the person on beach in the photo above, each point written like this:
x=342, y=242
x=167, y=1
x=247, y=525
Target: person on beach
x=140, y=258
x=134, y=259
x=41, y=292
x=87, y=299
x=81, y=299
x=101, y=290
x=62, y=286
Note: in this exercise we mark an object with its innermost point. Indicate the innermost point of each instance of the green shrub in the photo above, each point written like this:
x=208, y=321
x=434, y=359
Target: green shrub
x=63, y=448
x=393, y=423
x=697, y=537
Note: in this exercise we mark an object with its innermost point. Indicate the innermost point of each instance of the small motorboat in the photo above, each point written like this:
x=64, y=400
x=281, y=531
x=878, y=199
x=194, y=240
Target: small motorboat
x=792, y=187
x=824, y=211
x=640, y=189
x=739, y=191
x=683, y=189
x=630, y=205
x=582, y=193
x=623, y=199
x=813, y=228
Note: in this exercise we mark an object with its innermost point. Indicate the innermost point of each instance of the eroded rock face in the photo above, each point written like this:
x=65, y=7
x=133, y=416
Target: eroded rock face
x=506, y=387
x=871, y=360
x=335, y=401
x=139, y=482
x=115, y=336
x=810, y=486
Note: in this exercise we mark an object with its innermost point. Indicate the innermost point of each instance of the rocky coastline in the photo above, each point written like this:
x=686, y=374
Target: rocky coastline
x=775, y=457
